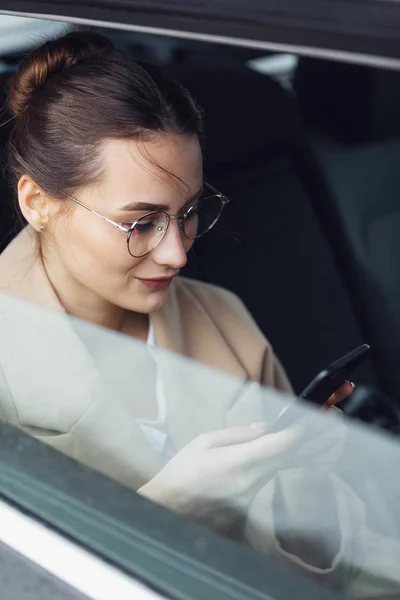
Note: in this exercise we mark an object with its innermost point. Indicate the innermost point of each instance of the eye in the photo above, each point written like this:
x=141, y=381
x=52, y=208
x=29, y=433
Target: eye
x=154, y=224
x=144, y=227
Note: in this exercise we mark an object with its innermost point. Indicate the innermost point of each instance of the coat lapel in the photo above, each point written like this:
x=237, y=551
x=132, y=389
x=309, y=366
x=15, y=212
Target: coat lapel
x=79, y=383
x=75, y=388
x=74, y=384
x=197, y=387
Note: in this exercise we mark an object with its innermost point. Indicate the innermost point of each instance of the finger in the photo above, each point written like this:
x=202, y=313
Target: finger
x=231, y=436
x=269, y=445
x=263, y=458
x=345, y=390
x=314, y=433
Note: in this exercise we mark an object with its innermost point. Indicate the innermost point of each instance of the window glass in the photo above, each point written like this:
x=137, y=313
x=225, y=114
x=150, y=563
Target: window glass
x=321, y=498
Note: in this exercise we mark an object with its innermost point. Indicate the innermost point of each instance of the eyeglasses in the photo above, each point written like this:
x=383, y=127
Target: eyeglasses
x=144, y=234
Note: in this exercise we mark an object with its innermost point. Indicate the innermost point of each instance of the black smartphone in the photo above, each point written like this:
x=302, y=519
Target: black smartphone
x=324, y=385
x=328, y=381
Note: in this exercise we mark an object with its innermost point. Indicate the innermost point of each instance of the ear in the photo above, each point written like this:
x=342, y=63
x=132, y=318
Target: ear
x=34, y=204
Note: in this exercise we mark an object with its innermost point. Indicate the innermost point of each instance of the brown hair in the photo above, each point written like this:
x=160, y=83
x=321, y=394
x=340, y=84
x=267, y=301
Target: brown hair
x=72, y=93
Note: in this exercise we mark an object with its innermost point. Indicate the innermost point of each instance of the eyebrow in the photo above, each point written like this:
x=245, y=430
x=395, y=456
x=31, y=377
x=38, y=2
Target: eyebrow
x=151, y=207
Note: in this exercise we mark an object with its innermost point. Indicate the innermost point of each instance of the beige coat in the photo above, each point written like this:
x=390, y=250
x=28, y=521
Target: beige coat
x=51, y=388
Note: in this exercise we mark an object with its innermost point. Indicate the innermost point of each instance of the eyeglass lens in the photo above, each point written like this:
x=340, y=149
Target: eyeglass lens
x=149, y=230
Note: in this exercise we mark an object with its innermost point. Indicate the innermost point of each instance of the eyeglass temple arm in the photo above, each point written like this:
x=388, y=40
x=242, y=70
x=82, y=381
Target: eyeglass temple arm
x=114, y=223
x=217, y=192
x=129, y=229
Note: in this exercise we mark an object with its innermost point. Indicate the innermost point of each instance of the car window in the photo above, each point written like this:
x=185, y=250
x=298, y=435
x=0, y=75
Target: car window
x=306, y=151
x=106, y=518
x=98, y=514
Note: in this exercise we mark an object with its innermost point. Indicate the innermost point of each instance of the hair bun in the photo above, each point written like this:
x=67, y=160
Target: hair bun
x=49, y=59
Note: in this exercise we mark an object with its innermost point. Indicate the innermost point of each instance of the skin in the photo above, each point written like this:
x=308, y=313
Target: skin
x=87, y=260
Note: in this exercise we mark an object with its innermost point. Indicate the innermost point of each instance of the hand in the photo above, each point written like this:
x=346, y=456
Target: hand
x=345, y=390
x=217, y=475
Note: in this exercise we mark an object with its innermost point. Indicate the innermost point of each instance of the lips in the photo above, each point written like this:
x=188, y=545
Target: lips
x=161, y=283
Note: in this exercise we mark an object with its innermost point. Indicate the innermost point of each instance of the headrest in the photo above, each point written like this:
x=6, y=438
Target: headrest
x=247, y=115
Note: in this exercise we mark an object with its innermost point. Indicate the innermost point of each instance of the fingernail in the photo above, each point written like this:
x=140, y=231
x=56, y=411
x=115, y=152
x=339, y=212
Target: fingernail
x=353, y=385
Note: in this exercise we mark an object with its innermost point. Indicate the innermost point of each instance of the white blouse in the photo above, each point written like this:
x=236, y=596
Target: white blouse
x=157, y=432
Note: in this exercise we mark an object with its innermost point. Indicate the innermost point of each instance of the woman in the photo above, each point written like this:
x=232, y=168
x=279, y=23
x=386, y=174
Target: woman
x=108, y=166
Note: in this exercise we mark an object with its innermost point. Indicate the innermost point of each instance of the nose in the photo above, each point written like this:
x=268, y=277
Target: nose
x=172, y=250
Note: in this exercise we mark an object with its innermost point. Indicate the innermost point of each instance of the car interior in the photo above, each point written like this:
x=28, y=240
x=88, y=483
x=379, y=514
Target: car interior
x=306, y=149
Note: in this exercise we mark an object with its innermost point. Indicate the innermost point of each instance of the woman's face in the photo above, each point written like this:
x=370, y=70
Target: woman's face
x=92, y=256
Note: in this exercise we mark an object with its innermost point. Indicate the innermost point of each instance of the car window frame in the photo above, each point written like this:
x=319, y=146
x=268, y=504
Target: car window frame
x=88, y=508
x=312, y=29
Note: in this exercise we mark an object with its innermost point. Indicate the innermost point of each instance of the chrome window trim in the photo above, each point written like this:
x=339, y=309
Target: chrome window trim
x=68, y=562
x=316, y=52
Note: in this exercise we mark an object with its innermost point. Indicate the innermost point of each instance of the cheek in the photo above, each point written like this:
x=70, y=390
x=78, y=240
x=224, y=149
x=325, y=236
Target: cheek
x=94, y=247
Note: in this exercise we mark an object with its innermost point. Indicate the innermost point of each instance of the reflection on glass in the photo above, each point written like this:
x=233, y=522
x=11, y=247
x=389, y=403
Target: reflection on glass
x=319, y=496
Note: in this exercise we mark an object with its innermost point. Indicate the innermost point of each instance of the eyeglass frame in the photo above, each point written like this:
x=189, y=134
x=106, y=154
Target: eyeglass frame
x=181, y=219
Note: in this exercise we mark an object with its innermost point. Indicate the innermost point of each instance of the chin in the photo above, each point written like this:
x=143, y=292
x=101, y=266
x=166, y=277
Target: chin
x=152, y=303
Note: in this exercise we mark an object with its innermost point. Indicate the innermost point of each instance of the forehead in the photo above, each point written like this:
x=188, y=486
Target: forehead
x=167, y=168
